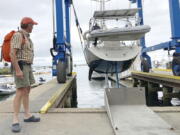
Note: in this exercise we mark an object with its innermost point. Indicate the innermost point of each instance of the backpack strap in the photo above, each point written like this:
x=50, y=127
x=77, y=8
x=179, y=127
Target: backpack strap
x=23, y=37
x=23, y=41
x=1, y=58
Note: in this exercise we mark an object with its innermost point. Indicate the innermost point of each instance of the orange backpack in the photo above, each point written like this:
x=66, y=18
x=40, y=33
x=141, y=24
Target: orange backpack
x=6, y=47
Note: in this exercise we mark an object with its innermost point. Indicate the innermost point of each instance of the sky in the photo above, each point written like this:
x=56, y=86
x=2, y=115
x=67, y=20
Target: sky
x=156, y=14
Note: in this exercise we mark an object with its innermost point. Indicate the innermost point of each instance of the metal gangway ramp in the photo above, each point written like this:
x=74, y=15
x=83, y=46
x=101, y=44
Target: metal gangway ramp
x=129, y=115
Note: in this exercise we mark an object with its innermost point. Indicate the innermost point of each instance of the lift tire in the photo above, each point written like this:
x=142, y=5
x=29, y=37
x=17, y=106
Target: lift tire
x=70, y=63
x=176, y=66
x=61, y=72
x=145, y=66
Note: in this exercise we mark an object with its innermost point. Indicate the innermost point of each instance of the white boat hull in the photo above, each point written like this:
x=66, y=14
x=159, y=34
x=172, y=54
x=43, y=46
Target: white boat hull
x=110, y=60
x=6, y=89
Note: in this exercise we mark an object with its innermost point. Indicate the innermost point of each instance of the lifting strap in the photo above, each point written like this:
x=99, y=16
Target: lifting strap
x=80, y=32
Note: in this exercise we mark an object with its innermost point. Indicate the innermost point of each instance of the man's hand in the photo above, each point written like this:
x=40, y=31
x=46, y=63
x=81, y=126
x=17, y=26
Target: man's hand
x=19, y=74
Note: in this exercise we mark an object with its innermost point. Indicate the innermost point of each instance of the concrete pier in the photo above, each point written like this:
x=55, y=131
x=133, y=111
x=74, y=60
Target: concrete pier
x=71, y=121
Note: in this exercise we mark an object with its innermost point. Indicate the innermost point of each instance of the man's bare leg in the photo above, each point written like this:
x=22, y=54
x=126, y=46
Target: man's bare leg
x=28, y=117
x=17, y=104
x=25, y=100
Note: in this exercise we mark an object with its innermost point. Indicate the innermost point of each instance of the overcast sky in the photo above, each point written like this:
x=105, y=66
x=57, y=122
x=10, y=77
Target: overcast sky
x=156, y=14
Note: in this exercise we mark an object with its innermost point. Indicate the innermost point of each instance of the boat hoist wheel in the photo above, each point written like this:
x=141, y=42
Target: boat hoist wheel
x=61, y=72
x=145, y=65
x=176, y=64
x=69, y=65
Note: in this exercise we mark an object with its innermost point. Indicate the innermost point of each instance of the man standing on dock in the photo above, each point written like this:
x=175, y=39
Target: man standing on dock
x=22, y=54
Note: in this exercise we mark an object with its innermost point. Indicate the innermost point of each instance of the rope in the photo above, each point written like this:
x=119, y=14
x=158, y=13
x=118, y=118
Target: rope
x=80, y=32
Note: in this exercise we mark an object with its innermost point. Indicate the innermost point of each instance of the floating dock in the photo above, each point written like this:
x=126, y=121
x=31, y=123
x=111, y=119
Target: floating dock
x=56, y=105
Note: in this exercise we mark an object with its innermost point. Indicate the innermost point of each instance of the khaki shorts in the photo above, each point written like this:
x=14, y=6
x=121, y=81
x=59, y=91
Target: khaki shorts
x=28, y=79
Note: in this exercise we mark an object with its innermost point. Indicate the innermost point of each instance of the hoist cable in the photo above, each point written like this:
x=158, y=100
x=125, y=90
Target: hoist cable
x=80, y=32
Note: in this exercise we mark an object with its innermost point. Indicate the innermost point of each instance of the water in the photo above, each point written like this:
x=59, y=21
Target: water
x=47, y=76
x=43, y=72
x=4, y=97
x=6, y=79
x=90, y=93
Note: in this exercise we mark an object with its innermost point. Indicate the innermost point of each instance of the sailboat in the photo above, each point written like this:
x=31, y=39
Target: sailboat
x=112, y=50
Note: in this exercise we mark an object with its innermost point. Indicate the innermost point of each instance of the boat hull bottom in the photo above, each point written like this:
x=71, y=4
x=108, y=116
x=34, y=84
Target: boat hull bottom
x=103, y=66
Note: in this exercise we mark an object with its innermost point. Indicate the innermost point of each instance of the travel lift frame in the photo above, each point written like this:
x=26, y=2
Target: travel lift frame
x=174, y=44
x=62, y=60
x=116, y=99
